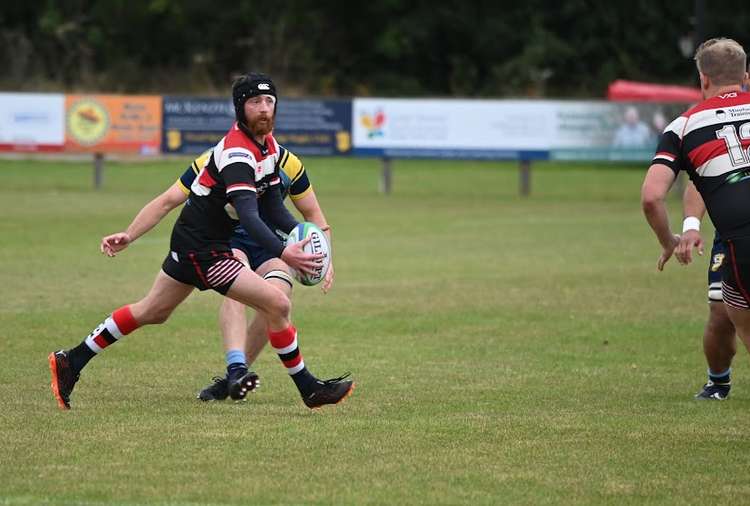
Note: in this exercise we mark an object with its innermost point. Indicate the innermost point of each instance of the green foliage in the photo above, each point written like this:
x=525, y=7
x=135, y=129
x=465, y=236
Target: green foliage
x=383, y=47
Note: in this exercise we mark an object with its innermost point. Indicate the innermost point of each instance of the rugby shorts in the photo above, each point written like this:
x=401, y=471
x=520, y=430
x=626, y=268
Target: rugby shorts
x=714, y=270
x=256, y=254
x=205, y=270
x=735, y=279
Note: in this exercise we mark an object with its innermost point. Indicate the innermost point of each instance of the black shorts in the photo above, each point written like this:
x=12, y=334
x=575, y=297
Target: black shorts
x=735, y=275
x=212, y=270
x=257, y=255
x=714, y=270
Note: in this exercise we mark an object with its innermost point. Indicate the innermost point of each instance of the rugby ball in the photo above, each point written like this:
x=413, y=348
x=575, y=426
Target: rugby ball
x=318, y=244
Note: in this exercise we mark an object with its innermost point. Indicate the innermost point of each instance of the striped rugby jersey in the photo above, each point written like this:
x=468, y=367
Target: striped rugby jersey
x=711, y=142
x=294, y=180
x=237, y=164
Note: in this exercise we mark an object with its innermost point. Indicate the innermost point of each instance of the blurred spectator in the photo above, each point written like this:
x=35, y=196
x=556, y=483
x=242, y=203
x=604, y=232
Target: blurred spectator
x=633, y=133
x=659, y=121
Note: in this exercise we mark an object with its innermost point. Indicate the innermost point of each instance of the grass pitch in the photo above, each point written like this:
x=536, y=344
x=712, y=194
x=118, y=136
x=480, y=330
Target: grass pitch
x=506, y=350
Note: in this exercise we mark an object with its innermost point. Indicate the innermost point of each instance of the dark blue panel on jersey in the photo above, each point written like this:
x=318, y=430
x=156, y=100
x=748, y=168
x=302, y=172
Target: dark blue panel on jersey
x=194, y=124
x=314, y=127
x=464, y=154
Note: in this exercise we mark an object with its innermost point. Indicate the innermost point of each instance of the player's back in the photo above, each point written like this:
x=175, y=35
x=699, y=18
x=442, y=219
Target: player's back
x=714, y=142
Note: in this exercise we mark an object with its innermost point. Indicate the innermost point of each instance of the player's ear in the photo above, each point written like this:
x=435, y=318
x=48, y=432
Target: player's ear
x=705, y=81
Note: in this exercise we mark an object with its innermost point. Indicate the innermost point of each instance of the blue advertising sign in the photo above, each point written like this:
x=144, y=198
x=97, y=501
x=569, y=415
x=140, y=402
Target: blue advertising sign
x=192, y=124
x=306, y=127
x=315, y=127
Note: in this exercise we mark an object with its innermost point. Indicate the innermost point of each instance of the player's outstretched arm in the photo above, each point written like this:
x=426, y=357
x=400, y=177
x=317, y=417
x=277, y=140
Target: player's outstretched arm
x=310, y=209
x=146, y=219
x=659, y=179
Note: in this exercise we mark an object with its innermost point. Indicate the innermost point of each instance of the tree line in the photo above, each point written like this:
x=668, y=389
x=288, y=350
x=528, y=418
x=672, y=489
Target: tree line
x=535, y=48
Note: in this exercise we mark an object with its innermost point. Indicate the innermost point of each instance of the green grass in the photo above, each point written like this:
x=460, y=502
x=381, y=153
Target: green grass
x=506, y=351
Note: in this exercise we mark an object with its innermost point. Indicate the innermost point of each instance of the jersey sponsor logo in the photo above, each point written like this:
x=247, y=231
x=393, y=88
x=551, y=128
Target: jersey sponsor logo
x=236, y=154
x=739, y=112
x=738, y=176
x=729, y=95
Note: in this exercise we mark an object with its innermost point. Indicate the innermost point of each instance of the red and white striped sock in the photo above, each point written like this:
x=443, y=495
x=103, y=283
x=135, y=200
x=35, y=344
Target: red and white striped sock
x=284, y=342
x=120, y=323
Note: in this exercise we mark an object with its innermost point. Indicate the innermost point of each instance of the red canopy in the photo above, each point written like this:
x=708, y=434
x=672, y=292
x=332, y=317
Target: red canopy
x=633, y=91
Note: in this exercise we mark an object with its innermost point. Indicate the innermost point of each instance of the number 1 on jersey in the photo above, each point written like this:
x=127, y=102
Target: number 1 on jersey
x=737, y=154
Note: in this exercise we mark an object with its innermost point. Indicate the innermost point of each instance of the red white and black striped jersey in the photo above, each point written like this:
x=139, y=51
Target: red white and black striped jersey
x=711, y=142
x=237, y=164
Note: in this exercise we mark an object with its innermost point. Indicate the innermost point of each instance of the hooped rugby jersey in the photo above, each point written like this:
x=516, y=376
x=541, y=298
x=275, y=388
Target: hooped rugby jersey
x=294, y=181
x=208, y=218
x=711, y=142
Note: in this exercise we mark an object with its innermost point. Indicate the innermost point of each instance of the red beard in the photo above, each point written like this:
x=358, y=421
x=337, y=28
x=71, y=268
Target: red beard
x=260, y=126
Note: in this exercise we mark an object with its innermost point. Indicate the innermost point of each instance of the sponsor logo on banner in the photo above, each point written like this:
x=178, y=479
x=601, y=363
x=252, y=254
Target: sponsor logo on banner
x=373, y=122
x=113, y=123
x=343, y=141
x=87, y=121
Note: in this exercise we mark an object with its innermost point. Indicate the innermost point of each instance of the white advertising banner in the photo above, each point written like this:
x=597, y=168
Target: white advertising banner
x=32, y=122
x=507, y=128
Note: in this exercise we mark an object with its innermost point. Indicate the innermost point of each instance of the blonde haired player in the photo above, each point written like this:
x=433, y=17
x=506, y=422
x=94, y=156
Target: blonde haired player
x=711, y=142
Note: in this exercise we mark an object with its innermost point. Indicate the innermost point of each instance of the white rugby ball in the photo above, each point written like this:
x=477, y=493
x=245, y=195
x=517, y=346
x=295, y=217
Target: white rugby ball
x=318, y=244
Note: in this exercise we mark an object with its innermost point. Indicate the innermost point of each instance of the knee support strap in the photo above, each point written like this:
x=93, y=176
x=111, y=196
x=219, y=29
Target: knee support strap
x=279, y=274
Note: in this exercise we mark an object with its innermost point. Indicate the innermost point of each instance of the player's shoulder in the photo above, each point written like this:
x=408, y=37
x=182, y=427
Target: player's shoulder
x=201, y=160
x=289, y=162
x=719, y=102
x=710, y=112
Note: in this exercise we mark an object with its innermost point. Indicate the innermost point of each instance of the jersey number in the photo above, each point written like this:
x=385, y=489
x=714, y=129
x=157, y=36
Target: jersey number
x=737, y=154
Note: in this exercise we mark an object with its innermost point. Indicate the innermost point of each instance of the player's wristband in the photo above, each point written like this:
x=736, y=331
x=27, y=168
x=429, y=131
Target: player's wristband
x=691, y=223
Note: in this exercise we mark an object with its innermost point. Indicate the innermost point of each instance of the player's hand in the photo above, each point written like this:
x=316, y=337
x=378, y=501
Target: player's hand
x=684, y=250
x=328, y=279
x=296, y=258
x=666, y=253
x=113, y=244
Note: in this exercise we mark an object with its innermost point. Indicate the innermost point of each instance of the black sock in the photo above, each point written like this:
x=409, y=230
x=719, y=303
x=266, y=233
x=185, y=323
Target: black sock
x=305, y=381
x=79, y=356
x=722, y=377
x=236, y=366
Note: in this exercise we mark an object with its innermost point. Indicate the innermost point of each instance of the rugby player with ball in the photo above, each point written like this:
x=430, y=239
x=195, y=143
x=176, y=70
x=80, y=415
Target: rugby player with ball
x=240, y=182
